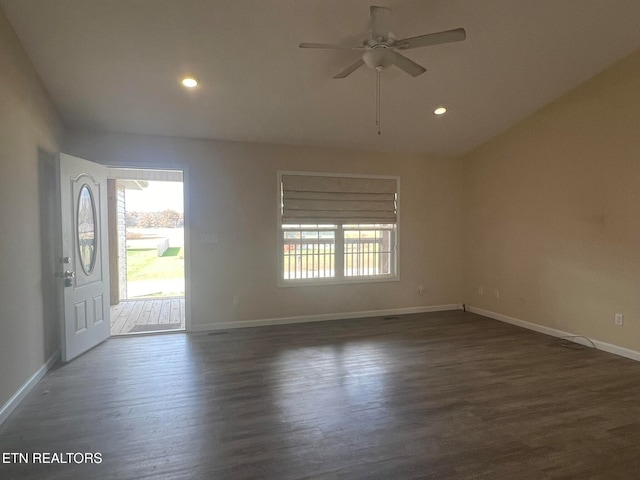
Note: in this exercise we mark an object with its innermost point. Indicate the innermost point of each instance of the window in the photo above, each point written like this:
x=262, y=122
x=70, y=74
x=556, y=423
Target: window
x=337, y=228
x=309, y=251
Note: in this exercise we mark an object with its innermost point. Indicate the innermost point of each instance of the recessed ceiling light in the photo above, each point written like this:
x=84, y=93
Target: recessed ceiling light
x=440, y=111
x=189, y=82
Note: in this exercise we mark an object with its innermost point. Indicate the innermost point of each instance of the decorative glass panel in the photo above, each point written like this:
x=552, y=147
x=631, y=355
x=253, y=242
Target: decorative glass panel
x=86, y=229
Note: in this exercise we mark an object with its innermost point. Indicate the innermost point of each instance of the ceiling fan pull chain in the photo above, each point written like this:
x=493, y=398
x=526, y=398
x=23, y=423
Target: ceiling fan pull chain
x=378, y=98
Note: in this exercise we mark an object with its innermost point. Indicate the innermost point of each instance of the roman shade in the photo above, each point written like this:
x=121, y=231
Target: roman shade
x=327, y=199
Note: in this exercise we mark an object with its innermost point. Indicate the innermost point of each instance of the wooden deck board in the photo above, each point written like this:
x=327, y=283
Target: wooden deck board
x=156, y=307
x=115, y=311
x=164, y=312
x=146, y=312
x=132, y=319
x=121, y=318
x=175, y=314
x=135, y=316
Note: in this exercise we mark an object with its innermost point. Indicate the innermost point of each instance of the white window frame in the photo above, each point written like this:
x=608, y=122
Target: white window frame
x=339, y=278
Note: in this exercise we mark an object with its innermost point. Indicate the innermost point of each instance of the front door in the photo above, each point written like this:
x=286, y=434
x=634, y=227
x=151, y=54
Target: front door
x=84, y=263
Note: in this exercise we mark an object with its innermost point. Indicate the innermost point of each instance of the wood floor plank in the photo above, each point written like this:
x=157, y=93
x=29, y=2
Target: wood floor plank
x=448, y=395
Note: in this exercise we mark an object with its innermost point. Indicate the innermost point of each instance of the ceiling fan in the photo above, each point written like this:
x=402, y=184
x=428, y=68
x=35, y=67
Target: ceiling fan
x=380, y=49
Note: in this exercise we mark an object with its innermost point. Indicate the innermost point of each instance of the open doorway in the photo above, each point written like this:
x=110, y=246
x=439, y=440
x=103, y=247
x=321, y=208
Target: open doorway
x=146, y=247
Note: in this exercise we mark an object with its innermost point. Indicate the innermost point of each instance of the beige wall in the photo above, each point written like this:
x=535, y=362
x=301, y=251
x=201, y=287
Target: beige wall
x=552, y=213
x=30, y=132
x=233, y=194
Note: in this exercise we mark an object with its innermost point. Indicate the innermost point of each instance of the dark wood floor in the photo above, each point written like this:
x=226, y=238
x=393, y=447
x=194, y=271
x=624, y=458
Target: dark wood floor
x=446, y=396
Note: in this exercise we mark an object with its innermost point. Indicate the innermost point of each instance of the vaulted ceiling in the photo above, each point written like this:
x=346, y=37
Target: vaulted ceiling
x=115, y=65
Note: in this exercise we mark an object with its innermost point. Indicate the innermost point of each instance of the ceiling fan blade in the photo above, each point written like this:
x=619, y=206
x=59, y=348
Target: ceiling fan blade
x=350, y=69
x=380, y=23
x=330, y=46
x=448, y=36
x=409, y=66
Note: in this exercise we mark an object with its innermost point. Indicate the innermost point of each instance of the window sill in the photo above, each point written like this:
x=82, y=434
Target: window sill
x=306, y=282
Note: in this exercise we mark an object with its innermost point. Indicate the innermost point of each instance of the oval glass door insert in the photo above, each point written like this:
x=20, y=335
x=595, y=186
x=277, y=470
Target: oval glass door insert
x=86, y=229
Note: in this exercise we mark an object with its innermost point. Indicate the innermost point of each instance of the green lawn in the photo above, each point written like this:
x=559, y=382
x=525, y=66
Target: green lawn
x=144, y=264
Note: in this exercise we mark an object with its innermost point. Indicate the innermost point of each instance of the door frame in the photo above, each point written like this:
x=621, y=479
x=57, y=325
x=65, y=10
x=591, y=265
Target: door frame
x=187, y=223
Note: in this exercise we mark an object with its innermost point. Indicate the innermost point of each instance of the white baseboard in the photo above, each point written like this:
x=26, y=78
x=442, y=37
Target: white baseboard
x=17, y=397
x=604, y=346
x=321, y=318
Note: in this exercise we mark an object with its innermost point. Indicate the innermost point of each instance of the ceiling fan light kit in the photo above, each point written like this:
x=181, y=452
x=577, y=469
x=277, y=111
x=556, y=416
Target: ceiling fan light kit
x=380, y=50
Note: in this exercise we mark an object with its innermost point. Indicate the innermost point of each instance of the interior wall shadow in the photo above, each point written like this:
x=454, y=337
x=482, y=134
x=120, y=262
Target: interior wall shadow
x=49, y=237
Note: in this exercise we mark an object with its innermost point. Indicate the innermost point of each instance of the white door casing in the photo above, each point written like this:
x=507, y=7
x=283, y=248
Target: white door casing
x=84, y=262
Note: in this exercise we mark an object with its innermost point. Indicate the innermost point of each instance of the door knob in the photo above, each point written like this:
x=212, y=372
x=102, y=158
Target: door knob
x=68, y=277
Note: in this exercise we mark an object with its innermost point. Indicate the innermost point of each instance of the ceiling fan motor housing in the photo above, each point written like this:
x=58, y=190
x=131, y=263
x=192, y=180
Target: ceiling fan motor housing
x=378, y=57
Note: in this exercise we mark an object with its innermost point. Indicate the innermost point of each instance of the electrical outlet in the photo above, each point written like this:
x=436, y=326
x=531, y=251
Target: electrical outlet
x=420, y=289
x=236, y=299
x=480, y=290
x=496, y=292
x=618, y=319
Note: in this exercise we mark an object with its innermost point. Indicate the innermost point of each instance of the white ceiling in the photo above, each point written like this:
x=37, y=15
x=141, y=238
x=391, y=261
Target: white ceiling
x=114, y=65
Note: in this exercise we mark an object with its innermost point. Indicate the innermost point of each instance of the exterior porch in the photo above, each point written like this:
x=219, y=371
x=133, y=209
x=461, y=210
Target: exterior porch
x=147, y=315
